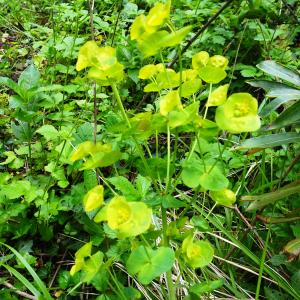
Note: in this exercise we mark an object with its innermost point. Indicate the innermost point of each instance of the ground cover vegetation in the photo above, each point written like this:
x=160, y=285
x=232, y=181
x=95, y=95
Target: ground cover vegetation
x=149, y=150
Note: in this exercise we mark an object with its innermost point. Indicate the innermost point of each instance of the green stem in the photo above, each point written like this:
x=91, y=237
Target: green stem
x=168, y=158
x=120, y=104
x=261, y=267
x=206, y=106
x=171, y=287
x=138, y=146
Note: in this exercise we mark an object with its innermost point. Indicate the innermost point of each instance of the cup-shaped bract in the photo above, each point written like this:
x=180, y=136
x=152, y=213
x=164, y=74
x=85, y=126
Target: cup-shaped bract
x=210, y=69
x=93, y=198
x=238, y=114
x=197, y=254
x=103, y=63
x=218, y=96
x=224, y=197
x=170, y=102
x=129, y=219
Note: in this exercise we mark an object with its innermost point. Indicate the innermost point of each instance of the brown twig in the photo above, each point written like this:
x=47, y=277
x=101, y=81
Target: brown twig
x=23, y=294
x=57, y=269
x=200, y=31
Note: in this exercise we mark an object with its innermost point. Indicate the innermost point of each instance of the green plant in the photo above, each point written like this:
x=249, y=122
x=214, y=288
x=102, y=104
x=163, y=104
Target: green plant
x=128, y=212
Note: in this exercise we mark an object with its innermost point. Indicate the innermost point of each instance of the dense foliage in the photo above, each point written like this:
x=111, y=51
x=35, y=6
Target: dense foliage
x=149, y=150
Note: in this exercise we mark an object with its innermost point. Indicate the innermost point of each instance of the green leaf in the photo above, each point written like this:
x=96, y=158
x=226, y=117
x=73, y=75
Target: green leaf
x=200, y=223
x=29, y=78
x=10, y=84
x=128, y=218
x=125, y=187
x=190, y=87
x=295, y=280
x=92, y=266
x=272, y=294
x=148, y=263
x=212, y=74
x=150, y=44
x=143, y=185
x=238, y=114
x=206, y=287
x=223, y=197
x=94, y=198
x=277, y=70
x=191, y=172
x=40, y=284
x=292, y=247
x=23, y=132
x=213, y=179
x=274, y=104
x=169, y=201
x=48, y=132
x=197, y=254
x=218, y=96
x=23, y=280
x=266, y=84
x=287, y=117
x=176, y=37
x=169, y=102
x=271, y=140
x=284, y=91
x=158, y=15
x=184, y=116
x=260, y=201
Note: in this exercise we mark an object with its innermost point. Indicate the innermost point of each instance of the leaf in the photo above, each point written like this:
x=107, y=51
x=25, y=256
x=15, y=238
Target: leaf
x=272, y=294
x=260, y=201
x=190, y=87
x=213, y=179
x=150, y=44
x=92, y=266
x=274, y=104
x=176, y=37
x=158, y=14
x=23, y=280
x=147, y=71
x=284, y=91
x=266, y=84
x=292, y=247
x=277, y=70
x=223, y=197
x=94, y=198
x=122, y=184
x=218, y=96
x=12, y=85
x=271, y=140
x=40, y=284
x=128, y=218
x=238, y=114
x=29, y=78
x=48, y=132
x=200, y=60
x=200, y=223
x=197, y=254
x=169, y=102
x=212, y=74
x=206, y=287
x=148, y=263
x=143, y=185
x=295, y=280
x=23, y=132
x=191, y=172
x=287, y=117
x=169, y=201
x=184, y=116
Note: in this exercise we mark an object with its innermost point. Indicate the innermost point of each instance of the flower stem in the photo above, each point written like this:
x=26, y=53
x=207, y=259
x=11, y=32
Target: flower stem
x=120, y=104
